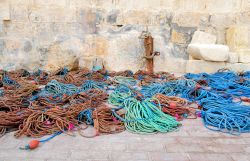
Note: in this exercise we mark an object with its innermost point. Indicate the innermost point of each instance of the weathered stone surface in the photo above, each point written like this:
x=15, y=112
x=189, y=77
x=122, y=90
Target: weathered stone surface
x=178, y=37
x=64, y=52
x=110, y=29
x=172, y=65
x=233, y=58
x=238, y=38
x=86, y=62
x=200, y=37
x=244, y=55
x=189, y=19
x=238, y=67
x=124, y=52
x=18, y=53
x=209, y=52
x=199, y=66
x=4, y=10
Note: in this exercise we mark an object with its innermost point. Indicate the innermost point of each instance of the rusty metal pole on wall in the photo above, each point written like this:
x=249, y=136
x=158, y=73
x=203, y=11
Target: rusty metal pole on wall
x=149, y=51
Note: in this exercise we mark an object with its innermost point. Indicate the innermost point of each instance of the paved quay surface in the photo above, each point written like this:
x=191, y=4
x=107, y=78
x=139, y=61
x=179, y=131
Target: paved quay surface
x=193, y=142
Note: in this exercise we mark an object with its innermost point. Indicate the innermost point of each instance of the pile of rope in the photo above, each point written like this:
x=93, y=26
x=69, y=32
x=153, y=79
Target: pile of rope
x=41, y=103
x=175, y=106
x=220, y=112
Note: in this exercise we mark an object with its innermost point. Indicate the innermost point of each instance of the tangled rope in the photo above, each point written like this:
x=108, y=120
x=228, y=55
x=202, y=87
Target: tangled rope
x=42, y=103
x=175, y=106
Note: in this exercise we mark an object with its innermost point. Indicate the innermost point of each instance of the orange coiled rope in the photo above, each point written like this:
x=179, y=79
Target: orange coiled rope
x=175, y=106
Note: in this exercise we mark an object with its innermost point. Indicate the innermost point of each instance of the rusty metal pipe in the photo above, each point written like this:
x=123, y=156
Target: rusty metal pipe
x=149, y=51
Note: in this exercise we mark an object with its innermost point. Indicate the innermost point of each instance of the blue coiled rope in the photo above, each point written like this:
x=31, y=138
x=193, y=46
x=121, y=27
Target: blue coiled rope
x=86, y=116
x=219, y=112
x=90, y=84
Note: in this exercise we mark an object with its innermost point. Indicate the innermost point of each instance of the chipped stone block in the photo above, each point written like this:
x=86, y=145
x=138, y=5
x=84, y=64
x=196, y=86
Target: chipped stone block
x=233, y=58
x=209, y=52
x=199, y=66
x=200, y=37
x=237, y=37
x=238, y=67
x=244, y=55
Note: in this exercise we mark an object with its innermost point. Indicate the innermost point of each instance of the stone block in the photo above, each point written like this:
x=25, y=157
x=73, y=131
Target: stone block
x=44, y=14
x=237, y=37
x=4, y=10
x=242, y=18
x=49, y=3
x=244, y=55
x=209, y=6
x=101, y=46
x=200, y=37
x=189, y=19
x=238, y=67
x=86, y=62
x=171, y=65
x=233, y=58
x=124, y=52
x=64, y=52
x=223, y=19
x=178, y=37
x=246, y=5
x=1, y=27
x=199, y=66
x=209, y=52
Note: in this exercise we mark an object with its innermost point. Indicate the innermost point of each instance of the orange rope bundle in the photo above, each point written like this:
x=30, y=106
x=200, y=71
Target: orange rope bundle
x=175, y=106
x=12, y=119
x=41, y=123
x=106, y=122
x=25, y=90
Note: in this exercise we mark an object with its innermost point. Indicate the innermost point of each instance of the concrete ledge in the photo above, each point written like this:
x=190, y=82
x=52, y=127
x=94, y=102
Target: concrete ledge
x=238, y=67
x=244, y=55
x=233, y=58
x=199, y=66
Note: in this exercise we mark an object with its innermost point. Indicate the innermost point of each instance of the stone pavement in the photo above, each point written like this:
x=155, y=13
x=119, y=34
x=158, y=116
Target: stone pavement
x=193, y=142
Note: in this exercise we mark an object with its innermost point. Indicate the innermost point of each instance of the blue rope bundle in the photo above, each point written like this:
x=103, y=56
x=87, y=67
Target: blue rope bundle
x=219, y=112
x=230, y=118
x=172, y=88
x=86, y=116
x=90, y=84
x=57, y=88
x=6, y=80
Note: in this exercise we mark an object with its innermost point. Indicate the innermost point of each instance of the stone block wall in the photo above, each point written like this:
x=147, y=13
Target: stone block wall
x=49, y=34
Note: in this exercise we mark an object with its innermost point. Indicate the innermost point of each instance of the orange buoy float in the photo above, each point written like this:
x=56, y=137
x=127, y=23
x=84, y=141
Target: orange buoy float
x=33, y=144
x=172, y=105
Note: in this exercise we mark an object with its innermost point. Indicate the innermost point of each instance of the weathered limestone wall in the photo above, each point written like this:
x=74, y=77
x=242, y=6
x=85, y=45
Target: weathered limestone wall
x=52, y=33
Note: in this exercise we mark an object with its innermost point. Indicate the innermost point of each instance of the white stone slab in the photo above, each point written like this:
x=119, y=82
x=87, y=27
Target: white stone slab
x=209, y=52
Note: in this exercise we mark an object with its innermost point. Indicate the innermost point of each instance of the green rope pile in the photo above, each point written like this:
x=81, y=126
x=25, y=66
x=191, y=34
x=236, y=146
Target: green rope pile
x=141, y=116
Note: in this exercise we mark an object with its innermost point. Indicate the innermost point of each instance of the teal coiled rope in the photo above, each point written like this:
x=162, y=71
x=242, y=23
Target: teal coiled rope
x=144, y=117
x=141, y=116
